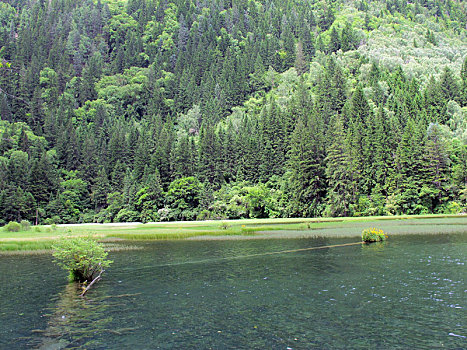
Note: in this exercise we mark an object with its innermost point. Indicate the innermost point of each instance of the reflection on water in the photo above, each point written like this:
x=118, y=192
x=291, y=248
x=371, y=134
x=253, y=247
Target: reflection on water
x=406, y=292
x=76, y=322
x=73, y=321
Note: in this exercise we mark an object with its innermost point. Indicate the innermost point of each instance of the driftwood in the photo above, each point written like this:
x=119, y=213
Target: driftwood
x=98, y=278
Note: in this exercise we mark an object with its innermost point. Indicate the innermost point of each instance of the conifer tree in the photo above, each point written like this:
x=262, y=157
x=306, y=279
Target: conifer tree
x=449, y=86
x=306, y=166
x=335, y=41
x=409, y=167
x=100, y=190
x=301, y=64
x=464, y=83
x=339, y=178
x=42, y=182
x=436, y=164
x=209, y=152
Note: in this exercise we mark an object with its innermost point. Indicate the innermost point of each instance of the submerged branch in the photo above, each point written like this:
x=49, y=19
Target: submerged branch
x=93, y=281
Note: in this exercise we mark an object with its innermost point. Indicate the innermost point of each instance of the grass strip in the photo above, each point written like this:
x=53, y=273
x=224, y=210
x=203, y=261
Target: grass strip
x=42, y=238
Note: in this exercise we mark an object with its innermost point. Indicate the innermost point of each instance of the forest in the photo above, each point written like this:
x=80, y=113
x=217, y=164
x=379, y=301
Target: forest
x=153, y=110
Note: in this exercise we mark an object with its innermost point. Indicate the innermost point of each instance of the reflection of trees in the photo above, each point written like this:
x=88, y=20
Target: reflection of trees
x=76, y=322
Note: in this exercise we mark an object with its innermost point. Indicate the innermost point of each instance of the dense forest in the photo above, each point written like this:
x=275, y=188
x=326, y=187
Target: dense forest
x=148, y=110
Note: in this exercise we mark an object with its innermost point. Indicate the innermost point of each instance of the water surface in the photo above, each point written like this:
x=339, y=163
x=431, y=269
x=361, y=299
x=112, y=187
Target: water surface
x=408, y=292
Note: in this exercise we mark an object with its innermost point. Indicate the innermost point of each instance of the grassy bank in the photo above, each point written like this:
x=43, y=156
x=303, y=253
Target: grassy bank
x=42, y=237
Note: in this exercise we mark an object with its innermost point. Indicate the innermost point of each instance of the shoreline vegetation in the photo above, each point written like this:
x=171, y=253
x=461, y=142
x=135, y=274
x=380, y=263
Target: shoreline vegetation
x=40, y=239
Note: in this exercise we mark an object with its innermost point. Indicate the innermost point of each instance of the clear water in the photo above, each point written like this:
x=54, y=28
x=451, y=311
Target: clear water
x=408, y=292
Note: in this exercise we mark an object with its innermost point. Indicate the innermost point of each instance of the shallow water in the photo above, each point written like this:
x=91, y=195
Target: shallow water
x=409, y=292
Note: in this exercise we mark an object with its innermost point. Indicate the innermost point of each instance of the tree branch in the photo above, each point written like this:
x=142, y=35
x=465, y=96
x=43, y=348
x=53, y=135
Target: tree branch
x=93, y=281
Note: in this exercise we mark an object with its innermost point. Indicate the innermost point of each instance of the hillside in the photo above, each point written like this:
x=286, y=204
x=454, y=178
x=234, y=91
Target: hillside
x=146, y=110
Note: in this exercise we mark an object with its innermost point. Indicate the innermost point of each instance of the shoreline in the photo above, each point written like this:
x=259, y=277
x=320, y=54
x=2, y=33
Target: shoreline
x=40, y=242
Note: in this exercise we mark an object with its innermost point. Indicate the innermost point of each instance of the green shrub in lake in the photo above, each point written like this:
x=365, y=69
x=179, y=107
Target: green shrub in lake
x=373, y=235
x=83, y=257
x=12, y=226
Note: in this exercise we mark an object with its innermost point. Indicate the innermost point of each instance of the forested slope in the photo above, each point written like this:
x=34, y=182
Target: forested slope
x=179, y=109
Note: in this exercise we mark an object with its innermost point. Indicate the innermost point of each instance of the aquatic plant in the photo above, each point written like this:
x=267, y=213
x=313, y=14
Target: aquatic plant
x=373, y=235
x=83, y=257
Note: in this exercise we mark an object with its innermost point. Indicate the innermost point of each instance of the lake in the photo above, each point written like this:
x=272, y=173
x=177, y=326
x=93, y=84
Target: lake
x=410, y=291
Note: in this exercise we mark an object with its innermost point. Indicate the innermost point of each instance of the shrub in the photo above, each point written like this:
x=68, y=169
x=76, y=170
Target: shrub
x=25, y=225
x=224, y=226
x=164, y=214
x=53, y=220
x=373, y=235
x=127, y=215
x=82, y=257
x=451, y=207
x=87, y=217
x=204, y=215
x=12, y=227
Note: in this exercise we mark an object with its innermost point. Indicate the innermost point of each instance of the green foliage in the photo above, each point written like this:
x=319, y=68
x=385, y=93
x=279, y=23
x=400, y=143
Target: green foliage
x=82, y=257
x=183, y=197
x=373, y=235
x=25, y=225
x=353, y=108
x=224, y=226
x=126, y=215
x=12, y=226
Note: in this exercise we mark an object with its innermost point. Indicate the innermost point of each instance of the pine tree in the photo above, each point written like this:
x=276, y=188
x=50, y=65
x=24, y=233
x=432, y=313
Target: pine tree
x=306, y=166
x=359, y=108
x=433, y=101
x=331, y=90
x=464, y=83
x=449, y=86
x=338, y=171
x=184, y=157
x=308, y=43
x=100, y=190
x=382, y=151
x=209, y=153
x=273, y=133
x=68, y=148
x=335, y=41
x=348, y=38
x=41, y=180
x=301, y=63
x=436, y=164
x=409, y=177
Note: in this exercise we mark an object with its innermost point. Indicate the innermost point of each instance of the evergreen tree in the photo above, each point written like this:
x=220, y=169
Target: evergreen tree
x=100, y=190
x=409, y=167
x=449, y=86
x=464, y=83
x=335, y=41
x=301, y=64
x=209, y=153
x=436, y=165
x=307, y=176
x=340, y=180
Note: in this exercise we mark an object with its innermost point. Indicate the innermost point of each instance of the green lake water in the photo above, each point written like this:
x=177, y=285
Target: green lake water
x=410, y=292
